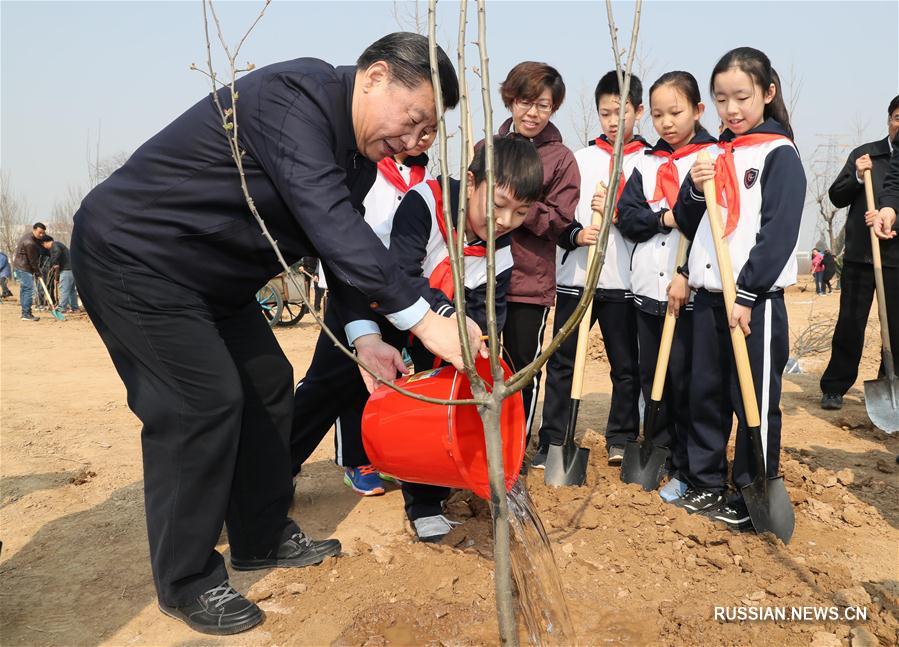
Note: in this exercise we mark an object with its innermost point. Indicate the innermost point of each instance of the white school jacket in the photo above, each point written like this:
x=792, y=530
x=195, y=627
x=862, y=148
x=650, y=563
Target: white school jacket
x=763, y=244
x=380, y=205
x=571, y=261
x=653, y=262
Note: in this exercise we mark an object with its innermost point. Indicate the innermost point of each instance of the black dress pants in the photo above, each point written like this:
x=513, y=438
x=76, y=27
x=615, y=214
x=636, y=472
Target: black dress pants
x=856, y=296
x=673, y=421
x=212, y=388
x=617, y=322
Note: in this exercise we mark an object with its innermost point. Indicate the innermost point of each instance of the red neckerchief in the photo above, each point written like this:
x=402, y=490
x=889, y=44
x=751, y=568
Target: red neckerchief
x=442, y=276
x=391, y=173
x=667, y=180
x=631, y=147
x=726, y=185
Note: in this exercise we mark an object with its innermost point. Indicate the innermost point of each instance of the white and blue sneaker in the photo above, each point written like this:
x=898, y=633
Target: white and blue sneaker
x=673, y=490
x=364, y=480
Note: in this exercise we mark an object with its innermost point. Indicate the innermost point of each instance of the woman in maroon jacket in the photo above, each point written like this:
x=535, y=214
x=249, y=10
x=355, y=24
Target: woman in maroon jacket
x=533, y=92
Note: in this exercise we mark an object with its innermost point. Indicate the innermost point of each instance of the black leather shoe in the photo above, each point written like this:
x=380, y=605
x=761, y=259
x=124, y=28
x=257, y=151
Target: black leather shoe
x=832, y=401
x=220, y=611
x=296, y=551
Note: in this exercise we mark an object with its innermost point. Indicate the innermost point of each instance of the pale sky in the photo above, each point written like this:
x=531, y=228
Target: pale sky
x=71, y=70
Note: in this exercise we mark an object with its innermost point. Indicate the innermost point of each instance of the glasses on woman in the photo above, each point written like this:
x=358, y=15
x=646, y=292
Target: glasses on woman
x=542, y=106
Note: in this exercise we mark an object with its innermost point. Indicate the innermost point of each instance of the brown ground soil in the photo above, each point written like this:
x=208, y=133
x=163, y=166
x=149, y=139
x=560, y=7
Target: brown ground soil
x=75, y=571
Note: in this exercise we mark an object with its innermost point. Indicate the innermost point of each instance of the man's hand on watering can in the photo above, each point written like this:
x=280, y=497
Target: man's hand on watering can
x=381, y=357
x=440, y=335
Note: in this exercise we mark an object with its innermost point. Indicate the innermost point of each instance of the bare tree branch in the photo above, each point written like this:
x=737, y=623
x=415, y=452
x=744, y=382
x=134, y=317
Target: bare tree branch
x=526, y=375
x=230, y=125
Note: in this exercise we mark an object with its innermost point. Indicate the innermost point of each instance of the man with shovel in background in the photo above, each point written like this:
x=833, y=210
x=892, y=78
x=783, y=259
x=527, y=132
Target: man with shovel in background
x=857, y=277
x=168, y=259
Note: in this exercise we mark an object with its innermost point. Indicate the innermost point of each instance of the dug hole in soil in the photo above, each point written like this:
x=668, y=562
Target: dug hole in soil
x=74, y=567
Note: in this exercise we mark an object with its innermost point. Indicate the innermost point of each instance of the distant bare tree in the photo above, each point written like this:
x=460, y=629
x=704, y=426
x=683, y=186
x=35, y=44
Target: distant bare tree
x=410, y=18
x=61, y=213
x=584, y=119
x=831, y=220
x=14, y=215
x=644, y=68
x=792, y=89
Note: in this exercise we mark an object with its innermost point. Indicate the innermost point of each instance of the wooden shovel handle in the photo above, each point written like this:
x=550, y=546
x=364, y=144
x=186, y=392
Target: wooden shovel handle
x=741, y=353
x=583, y=331
x=658, y=380
x=878, y=268
x=46, y=292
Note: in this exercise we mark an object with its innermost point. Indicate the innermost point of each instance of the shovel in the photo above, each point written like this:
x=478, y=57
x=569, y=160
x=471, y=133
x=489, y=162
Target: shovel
x=770, y=508
x=644, y=463
x=881, y=395
x=566, y=464
x=56, y=313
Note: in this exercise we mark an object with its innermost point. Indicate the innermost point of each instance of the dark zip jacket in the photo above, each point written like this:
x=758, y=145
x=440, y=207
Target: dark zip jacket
x=847, y=191
x=176, y=206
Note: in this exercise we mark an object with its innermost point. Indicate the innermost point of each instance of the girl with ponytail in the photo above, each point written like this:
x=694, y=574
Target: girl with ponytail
x=761, y=188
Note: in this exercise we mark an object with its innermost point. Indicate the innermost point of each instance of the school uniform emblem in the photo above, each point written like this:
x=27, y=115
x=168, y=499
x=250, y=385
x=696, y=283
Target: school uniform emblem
x=750, y=177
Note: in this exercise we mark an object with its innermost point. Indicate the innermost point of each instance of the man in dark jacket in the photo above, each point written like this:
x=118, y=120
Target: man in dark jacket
x=61, y=262
x=857, y=276
x=168, y=259
x=27, y=263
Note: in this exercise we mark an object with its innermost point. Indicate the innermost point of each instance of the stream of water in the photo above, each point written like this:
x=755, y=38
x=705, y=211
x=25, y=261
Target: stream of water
x=534, y=568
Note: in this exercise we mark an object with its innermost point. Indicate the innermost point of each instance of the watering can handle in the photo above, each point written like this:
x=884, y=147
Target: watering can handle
x=741, y=353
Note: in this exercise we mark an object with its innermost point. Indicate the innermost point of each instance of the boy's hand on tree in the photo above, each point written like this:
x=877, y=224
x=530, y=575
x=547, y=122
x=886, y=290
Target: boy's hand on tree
x=702, y=172
x=863, y=164
x=740, y=317
x=381, y=357
x=678, y=293
x=589, y=235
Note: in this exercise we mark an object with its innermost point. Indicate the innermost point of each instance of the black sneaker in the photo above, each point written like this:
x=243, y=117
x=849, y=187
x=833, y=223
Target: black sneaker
x=30, y=317
x=296, y=551
x=539, y=460
x=733, y=514
x=832, y=401
x=220, y=611
x=697, y=500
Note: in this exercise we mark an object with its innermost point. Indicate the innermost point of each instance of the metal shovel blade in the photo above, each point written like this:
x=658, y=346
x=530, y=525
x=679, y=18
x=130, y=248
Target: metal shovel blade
x=56, y=313
x=566, y=465
x=769, y=505
x=644, y=463
x=882, y=403
x=770, y=508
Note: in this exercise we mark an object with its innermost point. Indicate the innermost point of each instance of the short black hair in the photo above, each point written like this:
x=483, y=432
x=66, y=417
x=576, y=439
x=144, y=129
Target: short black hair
x=47, y=238
x=516, y=166
x=893, y=105
x=410, y=63
x=608, y=84
x=39, y=225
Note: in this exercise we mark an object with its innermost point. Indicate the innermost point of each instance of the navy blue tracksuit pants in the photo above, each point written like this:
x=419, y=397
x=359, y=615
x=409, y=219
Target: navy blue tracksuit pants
x=617, y=322
x=331, y=393
x=715, y=390
x=673, y=421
